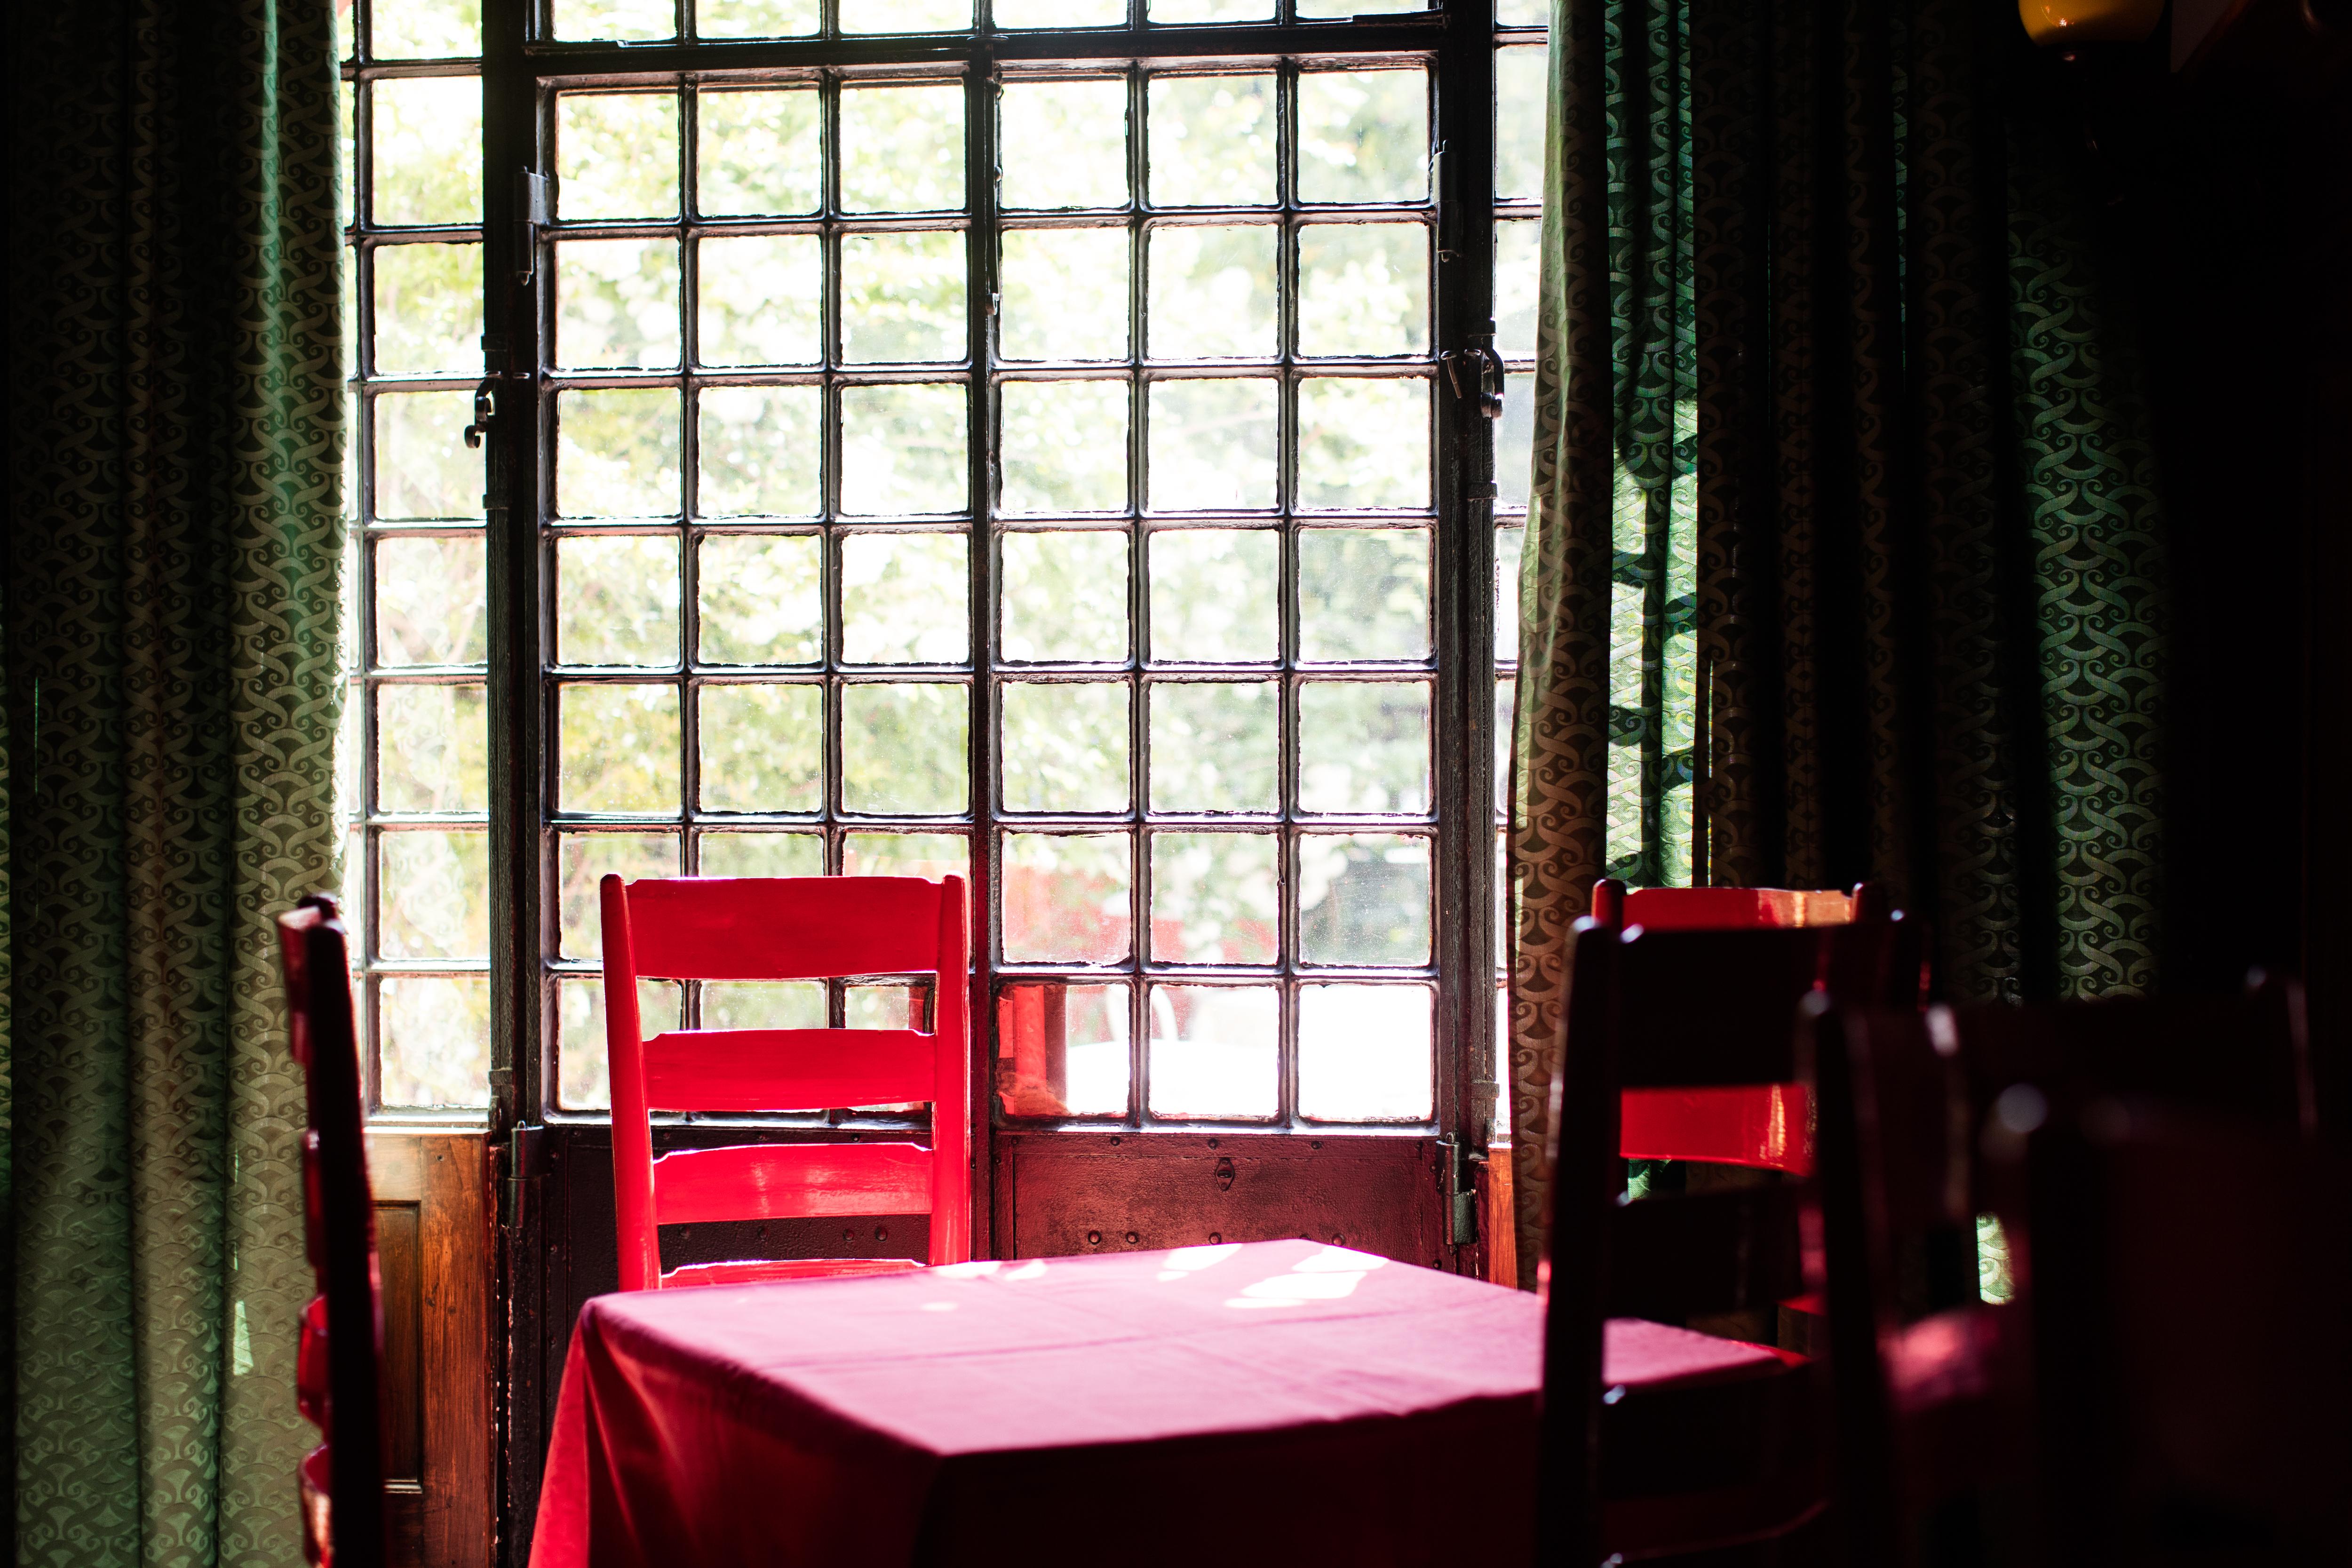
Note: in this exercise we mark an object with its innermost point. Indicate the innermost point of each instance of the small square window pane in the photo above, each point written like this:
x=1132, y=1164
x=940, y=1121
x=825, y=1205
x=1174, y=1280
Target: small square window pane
x=1515, y=441
x=619, y=749
x=1216, y=745
x=1363, y=442
x=1211, y=139
x=885, y=1007
x=1363, y=746
x=1061, y=1050
x=629, y=20
x=1215, y=898
x=1518, y=266
x=1521, y=78
x=1065, y=898
x=1506, y=694
x=759, y=299
x=428, y=309
x=758, y=151
x=1209, y=10
x=763, y=1004
x=1213, y=292
x=582, y=860
x=423, y=467
x=1064, y=294
x=436, y=1052
x=616, y=304
x=1016, y=14
x=616, y=453
x=1215, y=1050
x=433, y=749
x=930, y=855
x=903, y=451
x=762, y=599
x=1066, y=746
x=1063, y=144
x=428, y=151
x=761, y=451
x=1064, y=446
x=423, y=29
x=617, y=156
x=761, y=855
x=902, y=297
x=905, y=15
x=1509, y=542
x=906, y=598
x=1363, y=898
x=1523, y=13
x=435, y=890
x=1363, y=136
x=1364, y=1052
x=1213, y=594
x=754, y=19
x=582, y=1080
x=616, y=599
x=1363, y=288
x=905, y=748
x=1363, y=593
x=431, y=601
x=1064, y=596
x=902, y=147
x=1213, y=445
x=347, y=154
x=762, y=747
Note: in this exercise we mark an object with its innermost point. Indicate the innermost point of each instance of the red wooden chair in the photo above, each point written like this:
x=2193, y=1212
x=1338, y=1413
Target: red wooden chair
x=1680, y=1044
x=337, y=1370
x=806, y=928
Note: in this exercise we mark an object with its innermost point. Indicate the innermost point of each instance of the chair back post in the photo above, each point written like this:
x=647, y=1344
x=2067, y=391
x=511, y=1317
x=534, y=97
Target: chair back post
x=340, y=1218
x=1584, y=1161
x=951, y=1112
x=632, y=1133
x=1855, y=1283
x=1609, y=903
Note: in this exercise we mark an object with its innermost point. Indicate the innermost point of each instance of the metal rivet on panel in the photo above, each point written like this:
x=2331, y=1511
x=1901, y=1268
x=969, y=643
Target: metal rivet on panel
x=1094, y=1239
x=1132, y=1238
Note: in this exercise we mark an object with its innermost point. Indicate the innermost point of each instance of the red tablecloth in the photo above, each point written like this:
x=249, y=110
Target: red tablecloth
x=1280, y=1402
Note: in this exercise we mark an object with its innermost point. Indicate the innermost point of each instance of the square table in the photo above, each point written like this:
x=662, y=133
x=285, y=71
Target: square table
x=1278, y=1402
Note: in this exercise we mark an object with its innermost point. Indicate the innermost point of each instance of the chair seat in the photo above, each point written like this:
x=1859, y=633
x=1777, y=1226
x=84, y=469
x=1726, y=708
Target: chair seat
x=1704, y=1441
x=761, y=1271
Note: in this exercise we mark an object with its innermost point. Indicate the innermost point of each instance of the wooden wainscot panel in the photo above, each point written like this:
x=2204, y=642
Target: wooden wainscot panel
x=433, y=1251
x=1074, y=1193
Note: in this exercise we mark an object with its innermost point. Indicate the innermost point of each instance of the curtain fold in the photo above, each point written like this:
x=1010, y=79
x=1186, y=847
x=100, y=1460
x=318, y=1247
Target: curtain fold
x=171, y=656
x=1930, y=613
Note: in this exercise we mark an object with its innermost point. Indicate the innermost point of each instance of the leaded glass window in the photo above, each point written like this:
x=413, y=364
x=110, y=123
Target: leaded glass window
x=413, y=780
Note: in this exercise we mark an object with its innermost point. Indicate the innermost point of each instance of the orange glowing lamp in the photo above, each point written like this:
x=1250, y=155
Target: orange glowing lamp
x=2065, y=23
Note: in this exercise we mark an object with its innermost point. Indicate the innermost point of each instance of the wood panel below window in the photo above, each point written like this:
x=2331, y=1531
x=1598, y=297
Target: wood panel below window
x=433, y=1249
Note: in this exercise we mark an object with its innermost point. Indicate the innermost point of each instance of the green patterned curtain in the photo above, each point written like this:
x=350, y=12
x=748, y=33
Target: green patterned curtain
x=170, y=655
x=1852, y=309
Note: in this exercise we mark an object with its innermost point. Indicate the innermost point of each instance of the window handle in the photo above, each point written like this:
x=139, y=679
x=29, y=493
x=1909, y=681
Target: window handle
x=486, y=409
x=1484, y=367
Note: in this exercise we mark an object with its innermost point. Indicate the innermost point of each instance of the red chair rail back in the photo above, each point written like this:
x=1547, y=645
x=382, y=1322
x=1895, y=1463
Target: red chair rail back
x=807, y=928
x=340, y=1482
x=1733, y=909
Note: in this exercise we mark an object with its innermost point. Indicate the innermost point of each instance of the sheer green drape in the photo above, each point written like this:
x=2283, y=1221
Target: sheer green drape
x=1854, y=309
x=171, y=636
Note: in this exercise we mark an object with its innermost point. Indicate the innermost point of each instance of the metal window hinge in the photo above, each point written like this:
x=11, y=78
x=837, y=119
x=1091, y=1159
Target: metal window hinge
x=486, y=408
x=531, y=215
x=1462, y=1162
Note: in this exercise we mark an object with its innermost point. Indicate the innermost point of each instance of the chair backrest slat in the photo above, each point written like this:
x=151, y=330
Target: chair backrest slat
x=1759, y=1125
x=787, y=1069
x=1744, y=909
x=791, y=1181
x=783, y=928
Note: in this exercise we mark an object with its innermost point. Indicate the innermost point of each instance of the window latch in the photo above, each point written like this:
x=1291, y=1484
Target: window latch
x=1477, y=372
x=1461, y=1162
x=486, y=408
